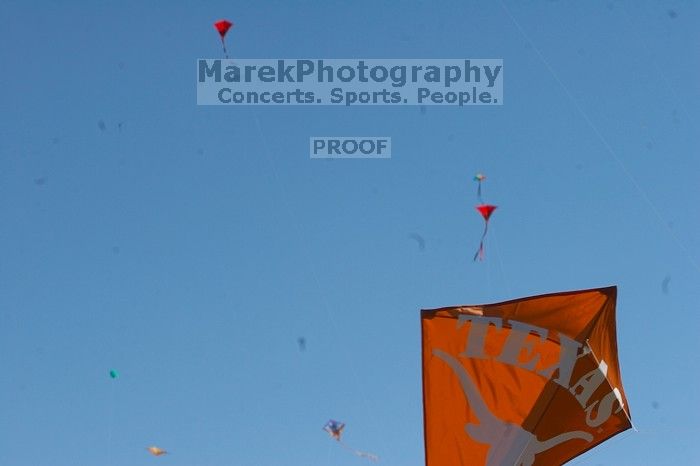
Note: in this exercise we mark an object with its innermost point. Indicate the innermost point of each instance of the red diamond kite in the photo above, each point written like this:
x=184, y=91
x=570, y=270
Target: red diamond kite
x=223, y=26
x=485, y=210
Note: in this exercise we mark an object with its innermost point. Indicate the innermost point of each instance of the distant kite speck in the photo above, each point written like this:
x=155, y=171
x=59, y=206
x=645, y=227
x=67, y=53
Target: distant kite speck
x=664, y=284
x=419, y=239
x=40, y=181
x=101, y=125
x=155, y=451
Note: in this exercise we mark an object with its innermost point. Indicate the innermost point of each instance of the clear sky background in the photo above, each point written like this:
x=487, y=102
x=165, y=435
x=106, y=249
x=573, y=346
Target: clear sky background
x=189, y=250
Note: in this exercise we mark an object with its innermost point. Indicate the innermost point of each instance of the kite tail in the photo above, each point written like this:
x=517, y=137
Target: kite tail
x=478, y=193
x=223, y=44
x=360, y=453
x=480, y=252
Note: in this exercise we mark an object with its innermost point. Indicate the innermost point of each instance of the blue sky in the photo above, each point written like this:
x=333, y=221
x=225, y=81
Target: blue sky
x=189, y=249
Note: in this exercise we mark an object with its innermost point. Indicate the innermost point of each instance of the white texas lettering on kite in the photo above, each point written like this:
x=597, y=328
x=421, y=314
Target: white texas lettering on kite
x=509, y=444
x=519, y=351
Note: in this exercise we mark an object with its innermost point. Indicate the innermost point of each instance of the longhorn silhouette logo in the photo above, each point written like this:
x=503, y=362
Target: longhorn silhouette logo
x=509, y=444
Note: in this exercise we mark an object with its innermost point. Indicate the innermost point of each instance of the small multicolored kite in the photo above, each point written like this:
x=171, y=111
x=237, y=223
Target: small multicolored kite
x=335, y=430
x=479, y=178
x=155, y=451
x=113, y=374
x=223, y=26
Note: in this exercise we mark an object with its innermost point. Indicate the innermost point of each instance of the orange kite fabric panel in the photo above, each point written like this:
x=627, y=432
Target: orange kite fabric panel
x=532, y=381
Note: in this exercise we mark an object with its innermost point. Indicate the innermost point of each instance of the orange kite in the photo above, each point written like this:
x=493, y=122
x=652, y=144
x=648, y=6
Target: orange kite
x=532, y=381
x=155, y=451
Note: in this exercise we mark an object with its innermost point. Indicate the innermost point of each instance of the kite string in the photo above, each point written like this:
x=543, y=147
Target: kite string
x=223, y=44
x=480, y=252
x=660, y=69
x=600, y=448
x=497, y=252
x=607, y=145
x=111, y=422
x=312, y=267
x=360, y=453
